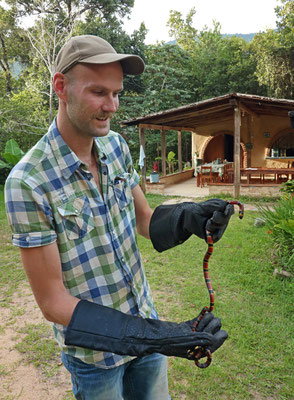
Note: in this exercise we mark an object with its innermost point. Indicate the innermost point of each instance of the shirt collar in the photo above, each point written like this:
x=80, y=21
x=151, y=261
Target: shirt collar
x=100, y=152
x=67, y=160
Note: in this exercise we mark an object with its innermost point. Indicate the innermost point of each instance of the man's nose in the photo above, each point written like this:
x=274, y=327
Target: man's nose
x=110, y=104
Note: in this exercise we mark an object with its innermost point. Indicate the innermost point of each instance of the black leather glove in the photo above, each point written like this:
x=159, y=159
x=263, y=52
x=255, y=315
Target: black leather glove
x=211, y=324
x=102, y=328
x=171, y=225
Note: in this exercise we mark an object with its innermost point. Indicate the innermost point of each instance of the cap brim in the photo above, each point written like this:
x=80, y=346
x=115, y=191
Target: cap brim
x=131, y=64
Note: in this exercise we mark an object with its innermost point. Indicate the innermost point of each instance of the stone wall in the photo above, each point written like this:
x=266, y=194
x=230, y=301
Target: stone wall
x=171, y=179
x=164, y=181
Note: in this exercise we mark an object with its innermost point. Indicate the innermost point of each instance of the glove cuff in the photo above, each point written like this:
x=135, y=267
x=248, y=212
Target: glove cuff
x=165, y=229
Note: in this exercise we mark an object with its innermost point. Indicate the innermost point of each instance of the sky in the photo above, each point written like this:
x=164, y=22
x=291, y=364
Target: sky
x=235, y=16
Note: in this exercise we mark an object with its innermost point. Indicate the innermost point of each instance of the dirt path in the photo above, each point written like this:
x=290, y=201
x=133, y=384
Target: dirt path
x=19, y=379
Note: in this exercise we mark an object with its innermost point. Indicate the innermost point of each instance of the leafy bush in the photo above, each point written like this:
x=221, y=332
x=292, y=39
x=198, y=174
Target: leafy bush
x=288, y=187
x=280, y=221
x=23, y=117
x=12, y=155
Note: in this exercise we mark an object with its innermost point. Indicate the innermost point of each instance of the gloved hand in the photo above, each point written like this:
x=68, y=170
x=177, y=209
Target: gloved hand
x=171, y=225
x=102, y=328
x=211, y=324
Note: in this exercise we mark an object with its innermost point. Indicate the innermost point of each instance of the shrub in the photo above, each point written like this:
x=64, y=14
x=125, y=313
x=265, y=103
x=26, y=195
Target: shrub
x=12, y=156
x=280, y=221
x=288, y=187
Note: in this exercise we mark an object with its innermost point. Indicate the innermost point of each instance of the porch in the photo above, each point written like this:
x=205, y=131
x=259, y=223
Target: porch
x=249, y=131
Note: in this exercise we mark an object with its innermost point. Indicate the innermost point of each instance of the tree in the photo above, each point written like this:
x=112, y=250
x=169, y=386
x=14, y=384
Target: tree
x=224, y=65
x=23, y=117
x=46, y=37
x=182, y=29
x=167, y=83
x=274, y=52
x=285, y=20
x=168, y=77
x=69, y=10
x=219, y=64
x=21, y=110
x=52, y=29
x=13, y=48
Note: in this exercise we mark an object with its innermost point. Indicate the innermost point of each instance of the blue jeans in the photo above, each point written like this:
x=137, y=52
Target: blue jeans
x=140, y=379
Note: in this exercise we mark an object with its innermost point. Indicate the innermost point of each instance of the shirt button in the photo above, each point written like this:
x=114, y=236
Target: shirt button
x=27, y=239
x=122, y=260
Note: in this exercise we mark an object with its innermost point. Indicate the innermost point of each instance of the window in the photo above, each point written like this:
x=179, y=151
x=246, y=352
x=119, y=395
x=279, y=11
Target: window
x=284, y=146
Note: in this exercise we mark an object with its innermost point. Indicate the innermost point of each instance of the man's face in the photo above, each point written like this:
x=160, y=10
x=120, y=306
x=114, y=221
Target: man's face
x=92, y=97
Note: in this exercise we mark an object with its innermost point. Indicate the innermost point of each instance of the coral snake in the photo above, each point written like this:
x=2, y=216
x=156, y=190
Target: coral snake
x=199, y=352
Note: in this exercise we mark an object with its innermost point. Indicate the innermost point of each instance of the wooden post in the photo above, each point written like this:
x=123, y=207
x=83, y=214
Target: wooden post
x=142, y=143
x=249, y=119
x=237, y=131
x=180, y=158
x=163, y=152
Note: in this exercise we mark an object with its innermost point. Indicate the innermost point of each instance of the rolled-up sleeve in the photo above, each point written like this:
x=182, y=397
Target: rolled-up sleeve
x=29, y=215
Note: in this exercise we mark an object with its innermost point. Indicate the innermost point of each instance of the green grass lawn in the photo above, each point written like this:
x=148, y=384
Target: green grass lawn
x=256, y=309
x=256, y=362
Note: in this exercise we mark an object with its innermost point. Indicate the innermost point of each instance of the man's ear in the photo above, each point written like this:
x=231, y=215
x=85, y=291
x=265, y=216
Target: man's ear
x=59, y=85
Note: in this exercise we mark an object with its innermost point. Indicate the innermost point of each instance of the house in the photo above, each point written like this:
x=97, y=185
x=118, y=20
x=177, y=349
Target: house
x=251, y=131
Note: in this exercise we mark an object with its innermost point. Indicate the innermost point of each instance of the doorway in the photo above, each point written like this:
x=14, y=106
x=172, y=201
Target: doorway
x=229, y=148
x=222, y=146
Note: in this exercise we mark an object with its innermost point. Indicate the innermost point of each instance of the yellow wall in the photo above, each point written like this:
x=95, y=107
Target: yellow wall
x=254, y=130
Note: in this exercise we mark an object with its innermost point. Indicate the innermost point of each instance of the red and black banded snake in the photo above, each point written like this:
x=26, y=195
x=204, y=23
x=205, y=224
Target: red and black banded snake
x=199, y=352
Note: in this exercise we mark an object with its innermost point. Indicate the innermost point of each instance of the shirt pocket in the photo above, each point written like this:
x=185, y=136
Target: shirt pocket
x=77, y=217
x=122, y=190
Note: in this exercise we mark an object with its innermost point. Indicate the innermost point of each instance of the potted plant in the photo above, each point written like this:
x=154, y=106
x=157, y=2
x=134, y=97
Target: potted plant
x=154, y=176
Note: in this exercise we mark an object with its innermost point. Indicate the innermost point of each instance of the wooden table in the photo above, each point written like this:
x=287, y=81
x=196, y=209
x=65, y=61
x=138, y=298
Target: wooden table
x=274, y=174
x=265, y=175
x=216, y=169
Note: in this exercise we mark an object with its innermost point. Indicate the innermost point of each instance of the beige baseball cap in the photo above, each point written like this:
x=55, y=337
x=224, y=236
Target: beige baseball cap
x=95, y=50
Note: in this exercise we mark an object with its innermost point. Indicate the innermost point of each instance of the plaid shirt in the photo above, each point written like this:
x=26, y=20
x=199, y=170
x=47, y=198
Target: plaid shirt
x=51, y=196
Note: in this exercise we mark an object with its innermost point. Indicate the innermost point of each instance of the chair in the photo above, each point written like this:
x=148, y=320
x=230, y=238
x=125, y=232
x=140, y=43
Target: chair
x=216, y=177
x=205, y=175
x=228, y=174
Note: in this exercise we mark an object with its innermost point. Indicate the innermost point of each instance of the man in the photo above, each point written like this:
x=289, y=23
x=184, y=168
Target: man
x=74, y=205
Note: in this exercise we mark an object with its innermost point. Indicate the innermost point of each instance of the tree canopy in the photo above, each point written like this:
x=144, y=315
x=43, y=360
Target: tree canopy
x=199, y=65
x=70, y=10
x=219, y=64
x=274, y=54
